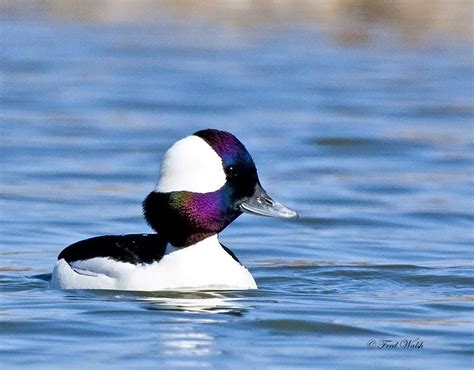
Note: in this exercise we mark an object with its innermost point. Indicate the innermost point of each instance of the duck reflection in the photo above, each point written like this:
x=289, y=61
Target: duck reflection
x=191, y=301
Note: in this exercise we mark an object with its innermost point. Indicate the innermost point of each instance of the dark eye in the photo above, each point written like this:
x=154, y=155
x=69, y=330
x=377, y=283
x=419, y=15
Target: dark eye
x=231, y=171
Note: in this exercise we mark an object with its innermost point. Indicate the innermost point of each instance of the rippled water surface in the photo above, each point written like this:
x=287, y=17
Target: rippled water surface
x=372, y=144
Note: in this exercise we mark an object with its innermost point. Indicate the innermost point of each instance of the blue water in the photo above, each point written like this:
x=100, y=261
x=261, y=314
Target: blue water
x=372, y=144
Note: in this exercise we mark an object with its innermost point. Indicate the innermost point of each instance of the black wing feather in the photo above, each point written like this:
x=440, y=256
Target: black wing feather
x=132, y=248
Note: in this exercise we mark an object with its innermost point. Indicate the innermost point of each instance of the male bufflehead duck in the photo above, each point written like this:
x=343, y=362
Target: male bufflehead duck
x=206, y=181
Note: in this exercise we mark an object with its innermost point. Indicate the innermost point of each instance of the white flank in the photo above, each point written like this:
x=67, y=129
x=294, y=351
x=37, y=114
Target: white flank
x=205, y=265
x=191, y=165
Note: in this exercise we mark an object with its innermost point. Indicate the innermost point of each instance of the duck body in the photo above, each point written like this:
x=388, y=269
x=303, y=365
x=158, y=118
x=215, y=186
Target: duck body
x=207, y=180
x=204, y=265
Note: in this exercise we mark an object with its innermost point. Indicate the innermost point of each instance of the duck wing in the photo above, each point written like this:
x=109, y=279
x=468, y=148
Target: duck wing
x=131, y=248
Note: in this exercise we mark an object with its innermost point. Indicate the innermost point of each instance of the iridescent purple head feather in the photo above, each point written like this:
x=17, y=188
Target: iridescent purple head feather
x=185, y=217
x=227, y=146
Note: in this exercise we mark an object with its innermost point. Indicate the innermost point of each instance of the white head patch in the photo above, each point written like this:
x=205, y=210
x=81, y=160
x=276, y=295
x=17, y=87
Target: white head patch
x=191, y=165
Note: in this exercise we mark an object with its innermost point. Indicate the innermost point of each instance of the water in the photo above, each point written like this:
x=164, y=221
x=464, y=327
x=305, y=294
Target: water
x=372, y=144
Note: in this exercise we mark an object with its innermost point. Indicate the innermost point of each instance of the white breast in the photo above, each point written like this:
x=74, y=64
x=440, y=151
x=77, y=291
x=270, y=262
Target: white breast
x=205, y=265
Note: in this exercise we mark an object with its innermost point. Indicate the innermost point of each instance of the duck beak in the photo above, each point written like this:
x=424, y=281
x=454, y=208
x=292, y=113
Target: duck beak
x=260, y=203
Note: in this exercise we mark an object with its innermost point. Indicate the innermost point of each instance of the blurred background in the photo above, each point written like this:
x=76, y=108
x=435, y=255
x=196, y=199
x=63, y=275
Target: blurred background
x=359, y=115
x=346, y=21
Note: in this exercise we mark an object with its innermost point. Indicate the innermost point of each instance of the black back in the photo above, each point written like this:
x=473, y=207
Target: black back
x=132, y=248
x=230, y=253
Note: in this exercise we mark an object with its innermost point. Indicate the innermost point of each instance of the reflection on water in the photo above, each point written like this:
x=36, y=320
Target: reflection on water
x=211, y=302
x=187, y=344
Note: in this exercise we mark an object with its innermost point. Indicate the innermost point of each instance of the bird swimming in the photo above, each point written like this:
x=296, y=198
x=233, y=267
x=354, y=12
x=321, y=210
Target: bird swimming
x=207, y=180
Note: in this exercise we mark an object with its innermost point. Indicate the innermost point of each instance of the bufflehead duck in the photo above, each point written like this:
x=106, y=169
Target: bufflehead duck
x=206, y=181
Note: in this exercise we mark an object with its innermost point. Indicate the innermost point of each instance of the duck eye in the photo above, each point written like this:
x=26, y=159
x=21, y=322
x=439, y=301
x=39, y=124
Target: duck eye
x=231, y=171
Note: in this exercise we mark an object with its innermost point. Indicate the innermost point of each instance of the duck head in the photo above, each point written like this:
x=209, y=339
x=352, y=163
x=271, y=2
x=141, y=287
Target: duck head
x=207, y=180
